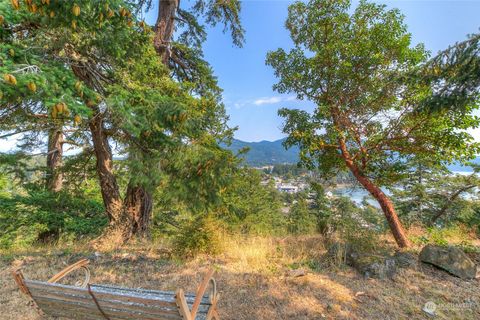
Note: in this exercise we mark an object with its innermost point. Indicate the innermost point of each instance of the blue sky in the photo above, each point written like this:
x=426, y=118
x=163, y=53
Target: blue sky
x=247, y=81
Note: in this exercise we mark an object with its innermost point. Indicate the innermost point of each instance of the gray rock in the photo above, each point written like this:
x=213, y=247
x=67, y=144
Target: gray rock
x=450, y=259
x=373, y=266
x=369, y=265
x=406, y=259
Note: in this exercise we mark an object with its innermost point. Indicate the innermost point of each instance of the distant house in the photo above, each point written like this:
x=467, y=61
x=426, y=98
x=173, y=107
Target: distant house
x=288, y=188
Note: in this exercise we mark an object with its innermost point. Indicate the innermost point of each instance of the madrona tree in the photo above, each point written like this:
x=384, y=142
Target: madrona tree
x=359, y=69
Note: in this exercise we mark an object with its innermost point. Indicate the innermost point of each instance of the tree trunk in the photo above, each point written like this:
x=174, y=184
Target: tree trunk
x=138, y=204
x=164, y=28
x=108, y=182
x=388, y=209
x=385, y=203
x=121, y=224
x=54, y=177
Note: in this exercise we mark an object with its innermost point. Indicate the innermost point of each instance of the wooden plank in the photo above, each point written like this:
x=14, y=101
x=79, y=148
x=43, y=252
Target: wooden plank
x=78, y=314
x=201, y=292
x=190, y=297
x=134, y=295
x=115, y=304
x=74, y=310
x=117, y=301
x=87, y=314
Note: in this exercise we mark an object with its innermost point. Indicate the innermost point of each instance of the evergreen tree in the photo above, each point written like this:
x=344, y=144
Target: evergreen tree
x=104, y=79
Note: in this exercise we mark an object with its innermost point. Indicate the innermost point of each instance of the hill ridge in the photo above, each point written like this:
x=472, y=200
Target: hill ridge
x=265, y=152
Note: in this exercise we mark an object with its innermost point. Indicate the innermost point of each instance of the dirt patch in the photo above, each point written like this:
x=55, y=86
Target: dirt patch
x=254, y=282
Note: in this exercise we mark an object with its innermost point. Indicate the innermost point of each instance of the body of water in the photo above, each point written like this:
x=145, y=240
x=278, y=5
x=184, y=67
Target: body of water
x=357, y=194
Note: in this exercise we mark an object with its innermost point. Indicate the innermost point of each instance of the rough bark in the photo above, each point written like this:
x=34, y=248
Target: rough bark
x=120, y=228
x=139, y=204
x=108, y=182
x=386, y=204
x=54, y=176
x=164, y=28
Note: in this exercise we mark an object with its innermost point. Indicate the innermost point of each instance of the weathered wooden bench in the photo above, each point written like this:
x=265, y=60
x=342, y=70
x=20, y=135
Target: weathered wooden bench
x=93, y=301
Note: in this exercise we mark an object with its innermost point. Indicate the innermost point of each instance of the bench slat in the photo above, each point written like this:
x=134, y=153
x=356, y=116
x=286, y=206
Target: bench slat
x=74, y=310
x=190, y=297
x=86, y=314
x=40, y=289
x=166, y=299
x=117, y=302
x=114, y=301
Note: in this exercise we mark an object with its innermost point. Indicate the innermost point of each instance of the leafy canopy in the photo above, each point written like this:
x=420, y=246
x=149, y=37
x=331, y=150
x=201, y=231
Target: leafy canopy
x=98, y=60
x=360, y=70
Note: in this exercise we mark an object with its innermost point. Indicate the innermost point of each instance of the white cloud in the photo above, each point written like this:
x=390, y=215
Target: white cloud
x=239, y=104
x=273, y=100
x=267, y=100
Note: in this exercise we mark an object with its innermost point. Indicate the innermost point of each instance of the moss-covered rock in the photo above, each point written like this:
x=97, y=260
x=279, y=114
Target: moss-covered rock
x=450, y=259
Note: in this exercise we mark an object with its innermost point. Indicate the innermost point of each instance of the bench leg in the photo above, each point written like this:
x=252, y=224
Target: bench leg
x=182, y=305
x=185, y=311
x=20, y=280
x=212, y=312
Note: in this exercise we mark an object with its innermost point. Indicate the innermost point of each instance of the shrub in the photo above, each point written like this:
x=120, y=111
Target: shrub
x=355, y=225
x=42, y=216
x=455, y=234
x=300, y=219
x=202, y=234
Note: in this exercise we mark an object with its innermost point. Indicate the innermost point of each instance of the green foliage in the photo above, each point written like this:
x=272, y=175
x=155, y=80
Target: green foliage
x=456, y=234
x=41, y=216
x=52, y=30
x=300, y=219
x=250, y=207
x=473, y=218
x=356, y=68
x=3, y=185
x=455, y=75
x=288, y=170
x=235, y=197
x=202, y=234
x=341, y=217
x=430, y=194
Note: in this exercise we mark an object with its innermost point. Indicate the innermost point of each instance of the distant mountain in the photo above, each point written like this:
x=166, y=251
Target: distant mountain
x=265, y=152
x=273, y=152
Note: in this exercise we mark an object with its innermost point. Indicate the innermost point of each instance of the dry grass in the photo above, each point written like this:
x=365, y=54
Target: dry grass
x=254, y=281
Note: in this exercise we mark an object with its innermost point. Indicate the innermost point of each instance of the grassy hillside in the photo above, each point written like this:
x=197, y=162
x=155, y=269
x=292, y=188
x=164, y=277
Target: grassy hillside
x=257, y=280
